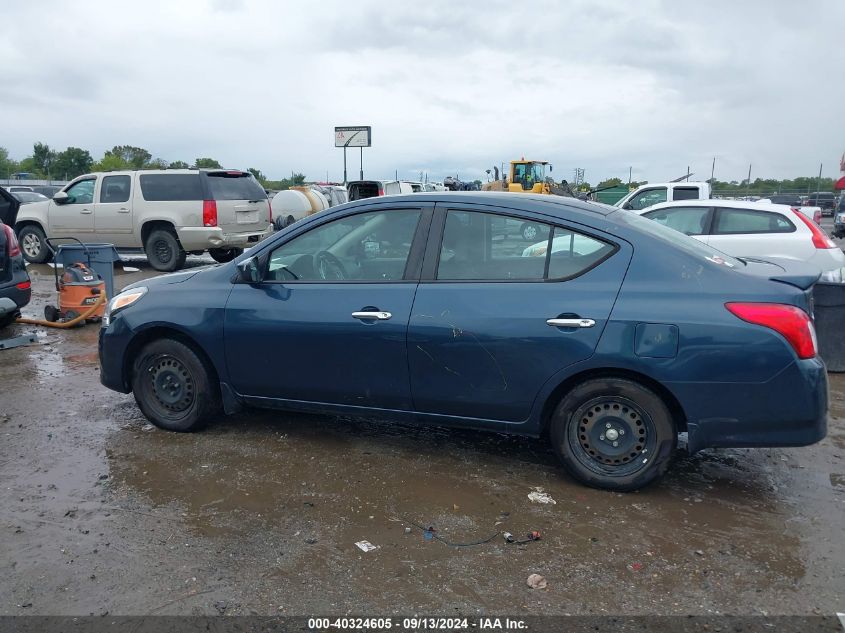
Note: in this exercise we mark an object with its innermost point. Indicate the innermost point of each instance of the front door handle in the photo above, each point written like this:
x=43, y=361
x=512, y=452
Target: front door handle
x=378, y=315
x=86, y=211
x=570, y=322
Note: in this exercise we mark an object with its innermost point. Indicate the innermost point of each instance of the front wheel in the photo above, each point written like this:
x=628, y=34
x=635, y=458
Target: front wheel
x=174, y=387
x=223, y=255
x=34, y=244
x=613, y=433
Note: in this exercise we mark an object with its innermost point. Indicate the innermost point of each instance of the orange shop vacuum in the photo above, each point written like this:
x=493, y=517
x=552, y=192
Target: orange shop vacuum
x=80, y=289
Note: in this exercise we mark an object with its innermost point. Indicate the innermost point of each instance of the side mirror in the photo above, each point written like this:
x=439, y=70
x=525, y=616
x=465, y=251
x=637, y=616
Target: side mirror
x=249, y=272
x=60, y=197
x=628, y=206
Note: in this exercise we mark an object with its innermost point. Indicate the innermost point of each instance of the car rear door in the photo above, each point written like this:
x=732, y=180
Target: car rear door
x=328, y=323
x=242, y=204
x=759, y=233
x=494, y=319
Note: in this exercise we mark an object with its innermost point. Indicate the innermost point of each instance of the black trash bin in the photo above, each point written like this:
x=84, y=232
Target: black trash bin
x=829, y=313
x=100, y=257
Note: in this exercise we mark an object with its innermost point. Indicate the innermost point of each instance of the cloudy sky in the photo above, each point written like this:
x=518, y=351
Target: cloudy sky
x=448, y=87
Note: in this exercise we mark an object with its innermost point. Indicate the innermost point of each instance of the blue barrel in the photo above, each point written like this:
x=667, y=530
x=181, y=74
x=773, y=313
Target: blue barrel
x=100, y=257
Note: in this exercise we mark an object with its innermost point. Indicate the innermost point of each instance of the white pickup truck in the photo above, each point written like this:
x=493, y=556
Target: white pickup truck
x=650, y=194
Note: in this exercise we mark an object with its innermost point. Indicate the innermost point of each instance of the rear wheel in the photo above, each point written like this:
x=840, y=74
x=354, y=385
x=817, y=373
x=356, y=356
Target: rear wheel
x=33, y=244
x=164, y=251
x=174, y=387
x=223, y=255
x=613, y=433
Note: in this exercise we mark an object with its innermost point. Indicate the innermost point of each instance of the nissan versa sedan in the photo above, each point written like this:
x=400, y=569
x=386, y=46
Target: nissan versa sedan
x=612, y=340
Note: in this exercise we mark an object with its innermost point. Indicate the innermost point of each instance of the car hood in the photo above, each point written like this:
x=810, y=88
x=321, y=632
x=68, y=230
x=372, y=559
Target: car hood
x=170, y=278
x=788, y=271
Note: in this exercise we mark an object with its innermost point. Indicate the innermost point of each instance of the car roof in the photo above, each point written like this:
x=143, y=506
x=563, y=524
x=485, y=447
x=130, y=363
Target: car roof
x=715, y=202
x=551, y=205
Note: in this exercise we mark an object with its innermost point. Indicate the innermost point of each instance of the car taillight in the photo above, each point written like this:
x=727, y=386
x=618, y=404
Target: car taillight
x=790, y=322
x=381, y=192
x=269, y=211
x=820, y=238
x=209, y=213
x=13, y=249
x=24, y=285
x=817, y=217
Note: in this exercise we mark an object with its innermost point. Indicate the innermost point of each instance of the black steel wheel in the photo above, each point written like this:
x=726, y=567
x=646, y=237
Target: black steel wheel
x=174, y=388
x=164, y=251
x=613, y=433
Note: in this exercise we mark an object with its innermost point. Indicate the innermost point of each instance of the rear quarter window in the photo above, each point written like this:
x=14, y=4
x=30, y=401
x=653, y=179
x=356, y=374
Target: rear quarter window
x=226, y=186
x=173, y=187
x=740, y=221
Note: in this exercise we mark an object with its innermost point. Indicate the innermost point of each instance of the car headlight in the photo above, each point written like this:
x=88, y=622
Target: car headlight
x=121, y=301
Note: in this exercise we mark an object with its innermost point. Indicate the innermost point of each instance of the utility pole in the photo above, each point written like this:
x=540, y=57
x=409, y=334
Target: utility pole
x=687, y=173
x=748, y=182
x=630, y=171
x=362, y=164
x=819, y=181
x=712, y=170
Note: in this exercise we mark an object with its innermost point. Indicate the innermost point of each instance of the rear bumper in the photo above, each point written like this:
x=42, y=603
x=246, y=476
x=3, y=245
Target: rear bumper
x=200, y=238
x=788, y=410
x=9, y=289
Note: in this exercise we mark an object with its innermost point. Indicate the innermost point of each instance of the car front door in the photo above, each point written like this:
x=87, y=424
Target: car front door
x=75, y=216
x=329, y=320
x=646, y=198
x=494, y=319
x=113, y=210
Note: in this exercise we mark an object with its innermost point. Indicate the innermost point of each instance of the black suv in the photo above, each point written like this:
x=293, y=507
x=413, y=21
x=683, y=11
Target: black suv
x=823, y=199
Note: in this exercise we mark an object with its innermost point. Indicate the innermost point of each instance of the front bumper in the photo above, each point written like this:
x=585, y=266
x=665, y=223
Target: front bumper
x=112, y=346
x=788, y=410
x=200, y=238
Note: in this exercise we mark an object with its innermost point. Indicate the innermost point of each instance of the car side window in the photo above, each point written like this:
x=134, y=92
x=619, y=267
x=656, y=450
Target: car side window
x=485, y=247
x=685, y=193
x=648, y=198
x=689, y=220
x=369, y=247
x=81, y=192
x=115, y=189
x=737, y=221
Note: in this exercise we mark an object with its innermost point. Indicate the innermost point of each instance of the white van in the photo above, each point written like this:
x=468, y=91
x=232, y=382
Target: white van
x=360, y=189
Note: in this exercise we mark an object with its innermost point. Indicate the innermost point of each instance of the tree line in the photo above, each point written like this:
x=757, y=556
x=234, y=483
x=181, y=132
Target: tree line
x=51, y=164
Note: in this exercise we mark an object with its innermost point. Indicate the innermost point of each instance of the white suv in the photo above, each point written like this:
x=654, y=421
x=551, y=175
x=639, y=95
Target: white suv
x=167, y=213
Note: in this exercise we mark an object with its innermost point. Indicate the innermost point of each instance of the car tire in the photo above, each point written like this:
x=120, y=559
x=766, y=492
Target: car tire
x=34, y=244
x=529, y=232
x=175, y=388
x=224, y=255
x=164, y=251
x=642, y=428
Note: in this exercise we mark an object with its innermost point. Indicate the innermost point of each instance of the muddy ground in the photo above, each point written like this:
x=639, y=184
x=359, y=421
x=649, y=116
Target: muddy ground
x=259, y=514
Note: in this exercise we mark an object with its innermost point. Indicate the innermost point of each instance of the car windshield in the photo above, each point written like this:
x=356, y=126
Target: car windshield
x=677, y=239
x=235, y=186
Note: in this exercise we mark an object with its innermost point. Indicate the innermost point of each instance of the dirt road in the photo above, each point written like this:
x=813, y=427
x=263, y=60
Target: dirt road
x=259, y=514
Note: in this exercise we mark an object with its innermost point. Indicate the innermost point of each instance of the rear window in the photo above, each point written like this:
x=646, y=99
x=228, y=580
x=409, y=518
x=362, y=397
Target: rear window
x=678, y=239
x=234, y=186
x=361, y=190
x=172, y=187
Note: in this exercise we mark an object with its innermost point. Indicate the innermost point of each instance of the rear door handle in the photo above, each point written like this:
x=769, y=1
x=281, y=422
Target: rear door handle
x=570, y=322
x=123, y=210
x=365, y=316
x=86, y=211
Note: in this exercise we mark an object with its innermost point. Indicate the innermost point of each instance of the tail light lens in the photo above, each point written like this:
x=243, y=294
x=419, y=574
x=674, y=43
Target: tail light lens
x=817, y=217
x=820, y=238
x=269, y=211
x=24, y=285
x=381, y=192
x=790, y=322
x=209, y=213
x=13, y=249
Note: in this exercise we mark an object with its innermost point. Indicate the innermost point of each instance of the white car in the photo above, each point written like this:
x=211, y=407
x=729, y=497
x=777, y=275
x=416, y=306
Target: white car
x=753, y=229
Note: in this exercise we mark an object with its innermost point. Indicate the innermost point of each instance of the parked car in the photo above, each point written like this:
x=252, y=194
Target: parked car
x=406, y=308
x=753, y=229
x=14, y=280
x=17, y=188
x=47, y=190
x=823, y=199
x=168, y=213
x=26, y=197
x=361, y=189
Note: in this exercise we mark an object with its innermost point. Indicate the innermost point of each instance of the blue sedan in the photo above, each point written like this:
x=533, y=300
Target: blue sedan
x=612, y=334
